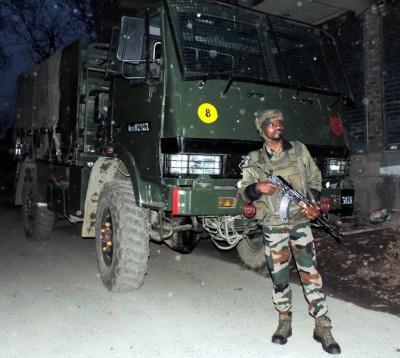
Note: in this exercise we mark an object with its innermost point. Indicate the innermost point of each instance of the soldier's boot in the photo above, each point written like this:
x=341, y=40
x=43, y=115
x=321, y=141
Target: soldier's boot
x=284, y=329
x=323, y=335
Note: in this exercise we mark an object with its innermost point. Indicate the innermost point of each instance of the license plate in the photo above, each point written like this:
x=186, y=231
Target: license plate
x=347, y=200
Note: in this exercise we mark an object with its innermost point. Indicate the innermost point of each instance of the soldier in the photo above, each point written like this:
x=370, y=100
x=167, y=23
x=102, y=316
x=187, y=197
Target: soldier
x=291, y=161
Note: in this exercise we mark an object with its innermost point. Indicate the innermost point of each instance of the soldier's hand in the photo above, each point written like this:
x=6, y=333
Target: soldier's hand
x=310, y=210
x=267, y=188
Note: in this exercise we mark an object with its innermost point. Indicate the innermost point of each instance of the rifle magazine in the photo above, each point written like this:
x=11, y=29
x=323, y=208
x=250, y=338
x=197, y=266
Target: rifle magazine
x=284, y=208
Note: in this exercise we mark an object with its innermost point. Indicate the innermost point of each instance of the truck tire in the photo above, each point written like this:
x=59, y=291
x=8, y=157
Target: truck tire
x=38, y=221
x=122, y=238
x=251, y=251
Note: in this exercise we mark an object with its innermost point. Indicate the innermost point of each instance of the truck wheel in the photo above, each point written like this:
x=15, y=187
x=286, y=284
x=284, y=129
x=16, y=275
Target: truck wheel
x=251, y=251
x=38, y=221
x=122, y=238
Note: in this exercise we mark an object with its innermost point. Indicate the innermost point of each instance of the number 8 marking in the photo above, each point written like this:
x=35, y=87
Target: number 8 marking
x=207, y=113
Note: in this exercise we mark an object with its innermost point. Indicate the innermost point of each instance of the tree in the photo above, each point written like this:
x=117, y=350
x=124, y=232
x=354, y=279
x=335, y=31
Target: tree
x=4, y=58
x=44, y=26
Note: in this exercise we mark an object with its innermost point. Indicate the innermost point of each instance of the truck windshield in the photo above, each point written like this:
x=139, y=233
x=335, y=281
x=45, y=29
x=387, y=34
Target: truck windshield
x=216, y=40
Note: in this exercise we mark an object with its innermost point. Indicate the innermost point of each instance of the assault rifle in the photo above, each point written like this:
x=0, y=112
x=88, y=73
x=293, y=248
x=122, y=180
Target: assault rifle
x=304, y=202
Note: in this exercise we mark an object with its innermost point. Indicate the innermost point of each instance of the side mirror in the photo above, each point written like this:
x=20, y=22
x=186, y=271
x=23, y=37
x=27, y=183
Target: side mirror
x=131, y=37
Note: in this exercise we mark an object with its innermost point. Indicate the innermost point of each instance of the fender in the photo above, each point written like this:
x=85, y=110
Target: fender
x=125, y=156
x=149, y=193
x=105, y=170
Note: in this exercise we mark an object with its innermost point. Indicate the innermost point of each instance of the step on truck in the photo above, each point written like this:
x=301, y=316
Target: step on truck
x=142, y=138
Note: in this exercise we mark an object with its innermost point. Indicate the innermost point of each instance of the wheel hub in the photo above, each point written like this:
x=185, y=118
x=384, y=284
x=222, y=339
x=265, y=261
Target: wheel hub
x=107, y=238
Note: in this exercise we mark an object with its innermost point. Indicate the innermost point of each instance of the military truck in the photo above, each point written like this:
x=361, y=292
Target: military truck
x=142, y=138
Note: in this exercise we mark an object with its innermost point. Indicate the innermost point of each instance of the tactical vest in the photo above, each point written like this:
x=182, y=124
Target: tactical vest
x=291, y=168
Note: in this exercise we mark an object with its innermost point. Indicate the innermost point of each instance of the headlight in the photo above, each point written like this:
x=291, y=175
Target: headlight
x=337, y=167
x=178, y=164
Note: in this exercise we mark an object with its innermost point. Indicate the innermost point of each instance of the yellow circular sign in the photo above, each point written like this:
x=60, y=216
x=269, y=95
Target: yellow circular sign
x=207, y=113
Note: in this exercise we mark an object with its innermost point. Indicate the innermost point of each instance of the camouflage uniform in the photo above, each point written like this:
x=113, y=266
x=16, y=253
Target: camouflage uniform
x=296, y=166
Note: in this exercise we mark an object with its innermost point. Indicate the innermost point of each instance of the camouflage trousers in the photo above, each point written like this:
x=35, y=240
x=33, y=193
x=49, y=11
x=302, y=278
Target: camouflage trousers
x=280, y=245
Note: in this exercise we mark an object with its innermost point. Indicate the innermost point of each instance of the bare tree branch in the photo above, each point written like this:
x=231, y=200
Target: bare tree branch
x=4, y=58
x=45, y=26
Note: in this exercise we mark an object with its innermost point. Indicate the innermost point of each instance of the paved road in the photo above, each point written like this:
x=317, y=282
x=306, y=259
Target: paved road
x=53, y=304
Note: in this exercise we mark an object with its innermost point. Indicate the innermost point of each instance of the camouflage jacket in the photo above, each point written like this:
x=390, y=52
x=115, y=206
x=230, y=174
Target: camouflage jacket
x=295, y=164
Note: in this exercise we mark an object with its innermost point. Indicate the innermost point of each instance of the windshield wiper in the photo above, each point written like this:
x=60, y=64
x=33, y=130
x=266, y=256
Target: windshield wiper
x=343, y=98
x=228, y=86
x=302, y=100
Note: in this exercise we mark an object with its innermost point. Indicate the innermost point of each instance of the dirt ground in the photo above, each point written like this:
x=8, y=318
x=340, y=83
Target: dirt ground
x=365, y=268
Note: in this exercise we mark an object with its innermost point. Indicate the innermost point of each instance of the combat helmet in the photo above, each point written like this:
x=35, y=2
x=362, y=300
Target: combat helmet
x=265, y=118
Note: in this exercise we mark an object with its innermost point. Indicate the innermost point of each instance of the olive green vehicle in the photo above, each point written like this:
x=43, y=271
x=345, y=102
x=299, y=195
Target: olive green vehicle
x=142, y=139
